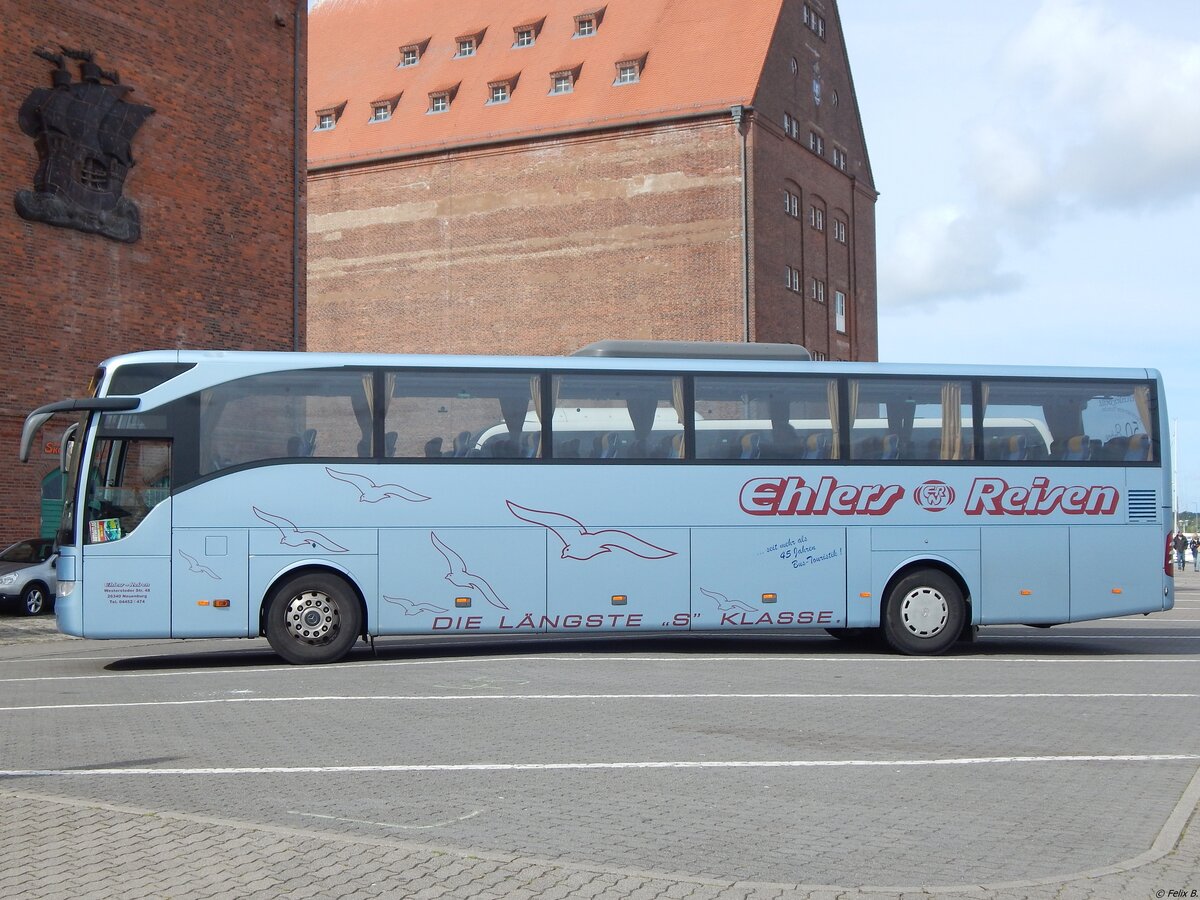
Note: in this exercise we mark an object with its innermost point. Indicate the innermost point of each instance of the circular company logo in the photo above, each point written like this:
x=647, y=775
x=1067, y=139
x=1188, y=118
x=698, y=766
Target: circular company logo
x=934, y=495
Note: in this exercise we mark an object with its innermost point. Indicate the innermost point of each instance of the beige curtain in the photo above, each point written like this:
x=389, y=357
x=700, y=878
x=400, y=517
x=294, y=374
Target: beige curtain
x=951, y=420
x=831, y=396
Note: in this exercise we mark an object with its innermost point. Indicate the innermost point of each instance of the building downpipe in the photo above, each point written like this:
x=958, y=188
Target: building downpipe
x=738, y=113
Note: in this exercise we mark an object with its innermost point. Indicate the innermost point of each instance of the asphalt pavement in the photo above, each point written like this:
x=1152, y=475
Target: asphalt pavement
x=1032, y=763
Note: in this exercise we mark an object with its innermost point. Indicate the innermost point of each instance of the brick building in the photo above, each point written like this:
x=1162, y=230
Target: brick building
x=527, y=176
x=217, y=245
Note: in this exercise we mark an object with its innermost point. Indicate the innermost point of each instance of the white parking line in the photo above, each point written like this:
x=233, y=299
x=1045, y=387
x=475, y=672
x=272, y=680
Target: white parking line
x=628, y=659
x=592, y=766
x=442, y=698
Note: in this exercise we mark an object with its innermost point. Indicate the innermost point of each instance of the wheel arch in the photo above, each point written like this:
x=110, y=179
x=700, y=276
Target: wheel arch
x=937, y=563
x=311, y=567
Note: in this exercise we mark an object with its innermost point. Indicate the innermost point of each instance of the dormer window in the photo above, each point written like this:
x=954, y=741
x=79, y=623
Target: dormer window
x=501, y=89
x=381, y=109
x=440, y=100
x=629, y=70
x=468, y=43
x=588, y=23
x=563, y=80
x=526, y=34
x=410, y=54
x=327, y=117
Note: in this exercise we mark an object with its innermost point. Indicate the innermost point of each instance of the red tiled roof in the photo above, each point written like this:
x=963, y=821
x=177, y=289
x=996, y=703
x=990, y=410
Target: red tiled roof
x=700, y=56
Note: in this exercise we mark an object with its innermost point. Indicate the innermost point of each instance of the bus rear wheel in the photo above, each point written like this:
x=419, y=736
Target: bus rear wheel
x=925, y=613
x=313, y=618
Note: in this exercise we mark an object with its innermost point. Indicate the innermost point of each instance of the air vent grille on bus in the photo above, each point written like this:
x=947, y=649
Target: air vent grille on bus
x=1143, y=506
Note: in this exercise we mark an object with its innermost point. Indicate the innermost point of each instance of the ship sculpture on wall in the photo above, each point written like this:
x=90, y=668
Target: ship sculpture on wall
x=84, y=131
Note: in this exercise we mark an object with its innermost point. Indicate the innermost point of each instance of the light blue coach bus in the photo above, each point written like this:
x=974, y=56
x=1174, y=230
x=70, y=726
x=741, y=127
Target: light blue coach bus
x=318, y=498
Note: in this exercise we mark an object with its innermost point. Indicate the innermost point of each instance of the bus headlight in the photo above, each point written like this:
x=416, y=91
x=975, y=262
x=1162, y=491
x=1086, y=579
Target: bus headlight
x=66, y=588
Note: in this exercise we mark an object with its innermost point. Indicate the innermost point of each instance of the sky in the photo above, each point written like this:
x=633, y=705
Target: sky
x=1038, y=163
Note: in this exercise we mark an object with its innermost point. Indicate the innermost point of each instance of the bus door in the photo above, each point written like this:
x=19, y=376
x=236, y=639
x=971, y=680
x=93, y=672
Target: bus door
x=765, y=578
x=126, y=533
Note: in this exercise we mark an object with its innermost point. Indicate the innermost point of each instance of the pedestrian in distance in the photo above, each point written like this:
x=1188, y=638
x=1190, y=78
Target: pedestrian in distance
x=1180, y=544
x=1194, y=546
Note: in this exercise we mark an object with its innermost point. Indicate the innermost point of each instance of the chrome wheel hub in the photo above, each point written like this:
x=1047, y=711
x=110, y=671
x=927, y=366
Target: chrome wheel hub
x=312, y=617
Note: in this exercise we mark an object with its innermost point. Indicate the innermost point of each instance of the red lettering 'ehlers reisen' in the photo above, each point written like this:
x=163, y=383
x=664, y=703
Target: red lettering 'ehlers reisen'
x=791, y=496
x=995, y=497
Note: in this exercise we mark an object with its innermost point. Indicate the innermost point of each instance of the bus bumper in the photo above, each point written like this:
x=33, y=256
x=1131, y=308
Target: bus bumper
x=68, y=608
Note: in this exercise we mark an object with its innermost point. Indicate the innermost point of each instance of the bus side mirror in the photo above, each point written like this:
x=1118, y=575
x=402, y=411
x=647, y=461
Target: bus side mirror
x=65, y=447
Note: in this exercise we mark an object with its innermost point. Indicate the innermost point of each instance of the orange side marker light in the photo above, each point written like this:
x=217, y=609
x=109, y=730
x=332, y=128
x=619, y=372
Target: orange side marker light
x=462, y=601
x=620, y=599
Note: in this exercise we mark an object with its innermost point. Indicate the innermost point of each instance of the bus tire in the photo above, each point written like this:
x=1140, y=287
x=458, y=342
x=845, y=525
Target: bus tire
x=314, y=617
x=925, y=613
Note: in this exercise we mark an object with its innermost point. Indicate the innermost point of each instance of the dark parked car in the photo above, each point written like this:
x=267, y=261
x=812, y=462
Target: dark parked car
x=27, y=576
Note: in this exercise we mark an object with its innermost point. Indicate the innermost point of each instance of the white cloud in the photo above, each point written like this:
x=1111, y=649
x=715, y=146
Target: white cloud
x=945, y=253
x=1124, y=105
x=1089, y=113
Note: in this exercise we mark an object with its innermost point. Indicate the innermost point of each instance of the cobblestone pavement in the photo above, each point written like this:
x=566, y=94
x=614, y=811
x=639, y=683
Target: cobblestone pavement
x=67, y=838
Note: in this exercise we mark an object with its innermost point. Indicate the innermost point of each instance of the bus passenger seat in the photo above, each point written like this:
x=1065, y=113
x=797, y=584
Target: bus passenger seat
x=462, y=443
x=1079, y=447
x=608, y=446
x=750, y=446
x=530, y=444
x=433, y=448
x=1018, y=448
x=1138, y=449
x=816, y=446
x=890, y=448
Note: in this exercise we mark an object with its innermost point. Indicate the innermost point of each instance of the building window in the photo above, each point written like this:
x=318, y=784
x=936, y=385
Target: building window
x=839, y=158
x=792, y=279
x=563, y=81
x=839, y=231
x=410, y=54
x=814, y=21
x=816, y=218
x=588, y=23
x=381, y=112
x=327, y=117
x=524, y=37
x=818, y=355
x=439, y=103
x=816, y=143
x=816, y=290
x=501, y=90
x=791, y=204
x=629, y=71
x=791, y=127
x=839, y=311
x=466, y=47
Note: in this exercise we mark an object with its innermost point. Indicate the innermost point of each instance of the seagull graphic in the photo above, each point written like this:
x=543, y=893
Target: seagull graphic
x=412, y=609
x=291, y=536
x=724, y=604
x=370, y=492
x=460, y=577
x=194, y=566
x=579, y=542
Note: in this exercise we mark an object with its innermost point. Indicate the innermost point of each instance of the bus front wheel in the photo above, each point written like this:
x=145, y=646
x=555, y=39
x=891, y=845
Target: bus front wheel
x=925, y=613
x=313, y=618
